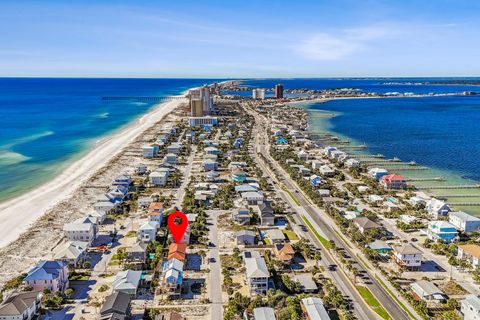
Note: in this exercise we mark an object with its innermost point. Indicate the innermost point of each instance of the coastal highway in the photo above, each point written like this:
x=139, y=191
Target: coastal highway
x=315, y=214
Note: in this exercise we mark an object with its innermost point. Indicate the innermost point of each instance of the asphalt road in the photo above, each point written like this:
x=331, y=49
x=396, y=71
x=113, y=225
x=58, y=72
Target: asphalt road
x=215, y=275
x=315, y=214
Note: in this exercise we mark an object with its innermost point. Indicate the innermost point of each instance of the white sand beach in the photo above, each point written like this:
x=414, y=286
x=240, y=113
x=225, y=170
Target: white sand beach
x=17, y=214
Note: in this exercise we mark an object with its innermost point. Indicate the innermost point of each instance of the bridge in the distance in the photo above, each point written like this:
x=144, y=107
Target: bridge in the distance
x=143, y=99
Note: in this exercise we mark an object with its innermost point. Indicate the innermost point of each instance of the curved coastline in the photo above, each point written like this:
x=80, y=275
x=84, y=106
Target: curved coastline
x=17, y=214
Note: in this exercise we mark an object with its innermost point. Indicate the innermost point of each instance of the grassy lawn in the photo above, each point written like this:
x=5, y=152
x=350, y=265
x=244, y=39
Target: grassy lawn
x=325, y=243
x=395, y=297
x=290, y=235
x=373, y=302
x=291, y=195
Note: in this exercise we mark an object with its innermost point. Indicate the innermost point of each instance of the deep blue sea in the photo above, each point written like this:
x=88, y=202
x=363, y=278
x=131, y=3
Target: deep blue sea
x=47, y=123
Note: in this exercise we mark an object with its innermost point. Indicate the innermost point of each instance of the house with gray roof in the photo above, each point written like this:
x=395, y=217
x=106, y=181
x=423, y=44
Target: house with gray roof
x=116, y=306
x=127, y=282
x=73, y=252
x=23, y=305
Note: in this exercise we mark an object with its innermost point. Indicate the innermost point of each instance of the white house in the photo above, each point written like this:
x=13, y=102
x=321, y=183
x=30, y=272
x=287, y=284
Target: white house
x=252, y=197
x=264, y=313
x=314, y=309
x=127, y=282
x=408, y=256
x=470, y=253
x=175, y=148
x=23, y=305
x=374, y=198
x=83, y=229
x=462, y=221
x=158, y=178
x=326, y=171
x=141, y=168
x=73, y=252
x=428, y=291
x=104, y=206
x=352, y=163
x=170, y=158
x=148, y=151
x=316, y=164
x=256, y=272
x=470, y=307
x=437, y=208
x=148, y=231
x=144, y=202
x=377, y=173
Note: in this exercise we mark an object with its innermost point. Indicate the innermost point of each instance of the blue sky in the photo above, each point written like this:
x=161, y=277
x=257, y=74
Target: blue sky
x=240, y=38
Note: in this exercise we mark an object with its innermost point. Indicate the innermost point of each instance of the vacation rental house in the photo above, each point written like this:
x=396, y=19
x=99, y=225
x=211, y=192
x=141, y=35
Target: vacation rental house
x=437, y=208
x=441, y=230
x=464, y=222
x=23, y=305
x=117, y=306
x=314, y=309
x=470, y=307
x=72, y=252
x=470, y=253
x=52, y=275
x=266, y=214
x=158, y=178
x=148, y=231
x=256, y=272
x=393, y=181
x=408, y=257
x=377, y=173
x=363, y=224
x=82, y=229
x=428, y=291
x=127, y=282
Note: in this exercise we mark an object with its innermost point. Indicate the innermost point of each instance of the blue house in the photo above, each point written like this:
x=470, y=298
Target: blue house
x=282, y=141
x=237, y=143
x=315, y=181
x=441, y=230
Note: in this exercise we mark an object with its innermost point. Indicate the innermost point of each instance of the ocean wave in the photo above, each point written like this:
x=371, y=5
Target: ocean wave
x=103, y=115
x=25, y=139
x=8, y=157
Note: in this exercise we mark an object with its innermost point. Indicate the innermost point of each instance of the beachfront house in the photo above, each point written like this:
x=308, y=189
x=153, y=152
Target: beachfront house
x=316, y=164
x=408, y=257
x=377, y=173
x=470, y=253
x=470, y=307
x=464, y=222
x=21, y=306
x=428, y=291
x=441, y=230
x=141, y=168
x=148, y=151
x=393, y=181
x=127, y=282
x=314, y=309
x=256, y=273
x=72, y=252
x=82, y=229
x=52, y=275
x=352, y=163
x=437, y=208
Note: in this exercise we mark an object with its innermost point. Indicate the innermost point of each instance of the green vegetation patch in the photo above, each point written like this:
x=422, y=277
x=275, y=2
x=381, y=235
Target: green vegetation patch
x=291, y=195
x=290, y=235
x=373, y=302
x=325, y=243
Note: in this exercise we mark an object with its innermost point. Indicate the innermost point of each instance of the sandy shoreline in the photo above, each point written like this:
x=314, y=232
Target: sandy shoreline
x=19, y=213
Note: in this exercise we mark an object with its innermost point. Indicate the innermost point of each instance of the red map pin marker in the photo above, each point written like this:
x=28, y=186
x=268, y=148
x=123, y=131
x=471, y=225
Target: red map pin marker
x=177, y=230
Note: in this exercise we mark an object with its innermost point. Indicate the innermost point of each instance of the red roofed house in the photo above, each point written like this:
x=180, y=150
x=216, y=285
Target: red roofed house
x=393, y=181
x=177, y=251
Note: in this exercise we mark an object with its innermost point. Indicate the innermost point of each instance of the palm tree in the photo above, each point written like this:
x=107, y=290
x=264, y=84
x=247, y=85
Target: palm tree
x=317, y=256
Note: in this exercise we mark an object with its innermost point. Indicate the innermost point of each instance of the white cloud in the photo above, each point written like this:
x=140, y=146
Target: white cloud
x=327, y=46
